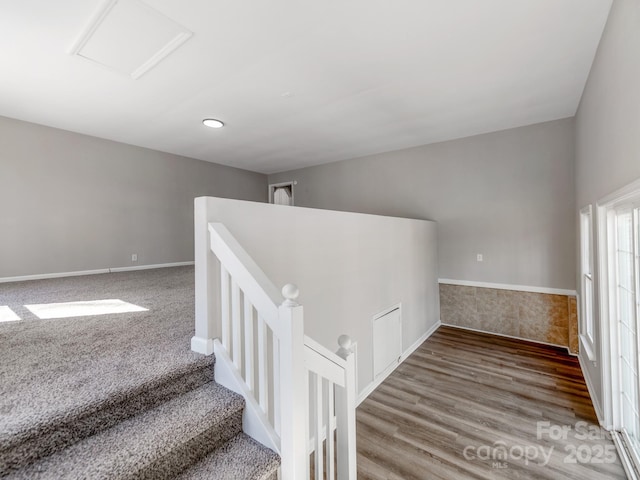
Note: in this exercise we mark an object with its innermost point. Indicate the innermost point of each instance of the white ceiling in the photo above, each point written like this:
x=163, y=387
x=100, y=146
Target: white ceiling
x=362, y=76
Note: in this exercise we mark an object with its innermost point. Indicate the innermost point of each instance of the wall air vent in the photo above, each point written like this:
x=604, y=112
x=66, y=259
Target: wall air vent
x=130, y=37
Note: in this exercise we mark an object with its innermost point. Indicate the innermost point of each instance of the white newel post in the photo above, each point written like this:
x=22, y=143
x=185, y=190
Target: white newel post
x=346, y=413
x=206, y=282
x=293, y=388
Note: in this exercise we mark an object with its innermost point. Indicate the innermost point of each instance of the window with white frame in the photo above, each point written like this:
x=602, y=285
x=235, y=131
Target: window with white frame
x=587, y=328
x=619, y=278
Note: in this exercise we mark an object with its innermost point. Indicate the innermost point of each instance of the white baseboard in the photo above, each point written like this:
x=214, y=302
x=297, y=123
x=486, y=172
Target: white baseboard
x=512, y=337
x=590, y=389
x=377, y=381
x=150, y=267
x=78, y=273
x=44, y=276
x=504, y=286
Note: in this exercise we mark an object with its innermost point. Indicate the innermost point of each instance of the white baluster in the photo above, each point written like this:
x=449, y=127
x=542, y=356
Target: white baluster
x=276, y=384
x=248, y=344
x=319, y=464
x=224, y=305
x=236, y=324
x=346, y=413
x=263, y=362
x=331, y=444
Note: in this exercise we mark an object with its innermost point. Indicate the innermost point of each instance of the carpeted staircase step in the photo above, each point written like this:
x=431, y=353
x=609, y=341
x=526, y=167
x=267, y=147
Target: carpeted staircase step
x=42, y=434
x=241, y=458
x=156, y=444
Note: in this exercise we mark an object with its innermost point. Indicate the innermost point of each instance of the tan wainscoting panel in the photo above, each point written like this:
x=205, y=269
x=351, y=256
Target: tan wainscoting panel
x=540, y=317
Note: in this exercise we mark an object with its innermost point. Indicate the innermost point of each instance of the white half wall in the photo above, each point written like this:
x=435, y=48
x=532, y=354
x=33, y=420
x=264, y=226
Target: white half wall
x=348, y=267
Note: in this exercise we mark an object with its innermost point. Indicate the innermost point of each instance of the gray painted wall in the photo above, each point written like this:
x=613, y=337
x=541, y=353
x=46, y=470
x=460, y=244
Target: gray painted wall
x=71, y=202
x=608, y=127
x=508, y=195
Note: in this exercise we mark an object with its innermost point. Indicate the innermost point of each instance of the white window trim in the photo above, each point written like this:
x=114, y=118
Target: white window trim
x=604, y=208
x=587, y=341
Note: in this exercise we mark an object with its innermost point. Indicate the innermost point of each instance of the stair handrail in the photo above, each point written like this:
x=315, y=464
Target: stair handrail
x=280, y=401
x=248, y=275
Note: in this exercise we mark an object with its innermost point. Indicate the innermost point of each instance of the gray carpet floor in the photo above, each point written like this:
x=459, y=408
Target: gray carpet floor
x=117, y=396
x=158, y=444
x=51, y=367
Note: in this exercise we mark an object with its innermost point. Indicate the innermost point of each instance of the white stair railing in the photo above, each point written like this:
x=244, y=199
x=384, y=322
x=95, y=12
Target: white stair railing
x=332, y=403
x=264, y=355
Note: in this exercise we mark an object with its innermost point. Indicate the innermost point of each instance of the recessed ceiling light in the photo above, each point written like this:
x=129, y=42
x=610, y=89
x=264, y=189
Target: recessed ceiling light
x=213, y=123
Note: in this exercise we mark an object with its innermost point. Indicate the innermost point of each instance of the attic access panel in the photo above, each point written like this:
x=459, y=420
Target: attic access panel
x=130, y=37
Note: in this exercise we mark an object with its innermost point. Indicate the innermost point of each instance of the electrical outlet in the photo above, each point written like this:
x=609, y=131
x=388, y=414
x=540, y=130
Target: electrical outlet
x=479, y=257
x=134, y=257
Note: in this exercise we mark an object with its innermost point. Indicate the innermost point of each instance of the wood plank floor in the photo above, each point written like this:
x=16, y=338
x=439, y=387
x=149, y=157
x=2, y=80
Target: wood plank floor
x=472, y=405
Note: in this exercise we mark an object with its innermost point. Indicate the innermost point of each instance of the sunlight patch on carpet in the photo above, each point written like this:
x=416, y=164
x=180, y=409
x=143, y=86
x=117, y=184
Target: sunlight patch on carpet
x=46, y=311
x=7, y=315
